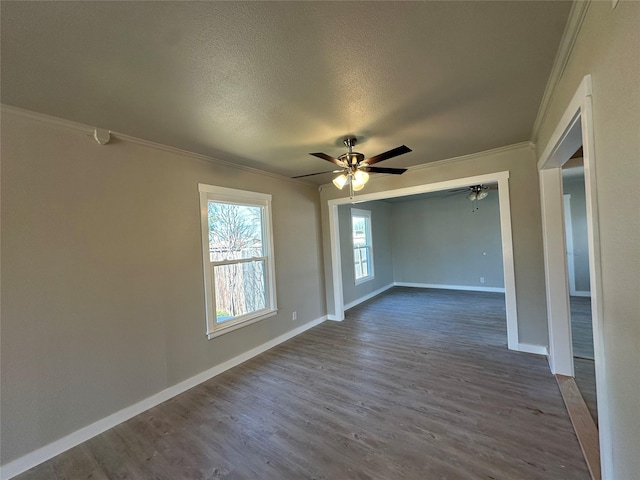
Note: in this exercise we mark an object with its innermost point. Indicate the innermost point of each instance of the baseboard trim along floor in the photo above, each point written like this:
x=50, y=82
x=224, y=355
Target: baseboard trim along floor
x=30, y=460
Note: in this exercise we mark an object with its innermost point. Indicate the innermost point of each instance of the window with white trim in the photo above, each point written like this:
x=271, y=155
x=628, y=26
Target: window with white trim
x=362, y=245
x=237, y=247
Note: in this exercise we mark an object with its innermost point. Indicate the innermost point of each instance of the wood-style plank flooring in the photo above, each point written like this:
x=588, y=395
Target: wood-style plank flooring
x=581, y=327
x=414, y=384
x=583, y=359
x=585, y=376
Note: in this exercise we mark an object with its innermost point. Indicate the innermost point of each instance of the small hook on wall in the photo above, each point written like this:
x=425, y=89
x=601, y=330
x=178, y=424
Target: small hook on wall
x=102, y=136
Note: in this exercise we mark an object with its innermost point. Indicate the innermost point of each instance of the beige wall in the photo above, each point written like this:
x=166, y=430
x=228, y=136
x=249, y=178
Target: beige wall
x=102, y=288
x=525, y=218
x=608, y=47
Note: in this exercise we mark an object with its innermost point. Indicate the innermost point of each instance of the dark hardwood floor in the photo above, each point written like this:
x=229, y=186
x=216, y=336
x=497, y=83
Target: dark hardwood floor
x=581, y=327
x=585, y=375
x=414, y=384
x=583, y=357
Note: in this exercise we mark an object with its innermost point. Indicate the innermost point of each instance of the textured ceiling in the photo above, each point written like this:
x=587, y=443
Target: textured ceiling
x=262, y=84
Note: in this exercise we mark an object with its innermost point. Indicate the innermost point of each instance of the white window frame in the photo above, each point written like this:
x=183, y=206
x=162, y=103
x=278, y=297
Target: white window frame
x=369, y=245
x=241, y=197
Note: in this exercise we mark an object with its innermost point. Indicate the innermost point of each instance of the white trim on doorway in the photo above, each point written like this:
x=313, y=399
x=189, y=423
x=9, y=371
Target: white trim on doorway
x=502, y=178
x=575, y=129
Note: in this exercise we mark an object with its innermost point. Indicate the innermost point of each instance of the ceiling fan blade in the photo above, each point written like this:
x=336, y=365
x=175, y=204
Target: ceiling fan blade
x=319, y=173
x=401, y=150
x=328, y=158
x=393, y=171
x=492, y=187
x=452, y=193
x=458, y=190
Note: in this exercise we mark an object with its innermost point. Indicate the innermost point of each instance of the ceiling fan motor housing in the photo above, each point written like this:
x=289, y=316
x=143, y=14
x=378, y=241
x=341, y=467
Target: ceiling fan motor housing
x=351, y=158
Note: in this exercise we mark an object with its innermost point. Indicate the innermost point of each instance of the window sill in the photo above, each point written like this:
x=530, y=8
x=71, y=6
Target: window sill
x=222, y=329
x=364, y=280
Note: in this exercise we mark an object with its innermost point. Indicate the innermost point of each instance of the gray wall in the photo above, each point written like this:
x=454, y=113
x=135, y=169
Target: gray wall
x=574, y=186
x=607, y=48
x=382, y=257
x=440, y=240
x=102, y=287
x=520, y=161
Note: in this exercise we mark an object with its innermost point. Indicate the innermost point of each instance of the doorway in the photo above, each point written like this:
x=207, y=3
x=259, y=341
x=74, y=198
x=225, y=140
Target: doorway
x=574, y=130
x=502, y=180
x=577, y=242
x=447, y=240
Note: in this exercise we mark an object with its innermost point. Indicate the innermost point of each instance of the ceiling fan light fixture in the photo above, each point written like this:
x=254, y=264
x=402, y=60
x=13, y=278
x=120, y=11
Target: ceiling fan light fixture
x=472, y=196
x=355, y=168
x=360, y=178
x=357, y=186
x=340, y=181
x=482, y=194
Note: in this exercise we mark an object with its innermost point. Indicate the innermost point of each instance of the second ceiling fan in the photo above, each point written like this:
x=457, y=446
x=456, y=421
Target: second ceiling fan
x=475, y=193
x=354, y=169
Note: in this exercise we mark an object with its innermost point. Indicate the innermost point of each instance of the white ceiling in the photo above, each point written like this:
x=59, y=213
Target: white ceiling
x=263, y=84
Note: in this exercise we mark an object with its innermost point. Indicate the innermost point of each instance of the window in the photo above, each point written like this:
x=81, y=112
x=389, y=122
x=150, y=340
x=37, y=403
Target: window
x=362, y=245
x=237, y=252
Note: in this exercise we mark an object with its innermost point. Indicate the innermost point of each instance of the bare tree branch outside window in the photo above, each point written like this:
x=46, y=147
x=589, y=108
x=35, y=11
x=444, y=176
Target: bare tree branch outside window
x=235, y=233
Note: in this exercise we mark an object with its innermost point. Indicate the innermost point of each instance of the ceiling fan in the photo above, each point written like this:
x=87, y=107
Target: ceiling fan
x=475, y=193
x=354, y=169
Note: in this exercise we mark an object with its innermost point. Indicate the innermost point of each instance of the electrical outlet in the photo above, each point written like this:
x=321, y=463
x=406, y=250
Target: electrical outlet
x=294, y=316
x=481, y=279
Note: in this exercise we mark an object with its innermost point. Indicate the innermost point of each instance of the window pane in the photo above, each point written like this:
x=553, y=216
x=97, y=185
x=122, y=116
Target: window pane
x=361, y=262
x=240, y=289
x=362, y=250
x=359, y=231
x=235, y=231
x=365, y=262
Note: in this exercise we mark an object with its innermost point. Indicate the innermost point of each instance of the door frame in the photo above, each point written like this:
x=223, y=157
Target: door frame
x=575, y=129
x=502, y=178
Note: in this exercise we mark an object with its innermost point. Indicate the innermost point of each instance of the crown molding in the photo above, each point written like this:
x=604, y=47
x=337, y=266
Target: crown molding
x=567, y=42
x=41, y=117
x=88, y=130
x=472, y=156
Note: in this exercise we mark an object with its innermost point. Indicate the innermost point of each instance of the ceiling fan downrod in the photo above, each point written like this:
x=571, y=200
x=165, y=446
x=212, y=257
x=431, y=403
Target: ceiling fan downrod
x=350, y=142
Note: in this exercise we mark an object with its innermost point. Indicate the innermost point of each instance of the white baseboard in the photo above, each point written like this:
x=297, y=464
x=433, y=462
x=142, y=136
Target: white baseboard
x=470, y=288
x=579, y=293
x=334, y=318
x=537, y=349
x=56, y=447
x=368, y=296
